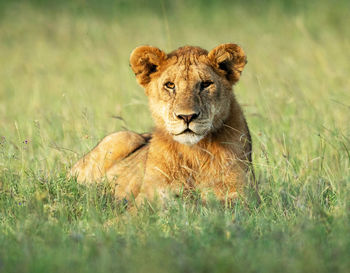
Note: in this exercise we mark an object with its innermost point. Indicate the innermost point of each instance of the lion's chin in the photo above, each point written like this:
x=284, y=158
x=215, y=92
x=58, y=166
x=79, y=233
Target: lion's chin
x=188, y=138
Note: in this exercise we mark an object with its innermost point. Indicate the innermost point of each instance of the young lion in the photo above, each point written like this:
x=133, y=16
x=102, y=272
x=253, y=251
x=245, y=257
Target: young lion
x=201, y=140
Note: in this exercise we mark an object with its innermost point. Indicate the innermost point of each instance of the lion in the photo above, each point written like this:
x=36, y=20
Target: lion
x=201, y=141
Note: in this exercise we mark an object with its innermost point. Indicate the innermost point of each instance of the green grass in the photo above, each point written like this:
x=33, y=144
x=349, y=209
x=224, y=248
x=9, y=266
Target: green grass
x=64, y=73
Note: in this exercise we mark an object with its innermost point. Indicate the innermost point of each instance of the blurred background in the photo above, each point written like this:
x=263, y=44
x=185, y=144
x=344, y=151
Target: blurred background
x=65, y=82
x=64, y=71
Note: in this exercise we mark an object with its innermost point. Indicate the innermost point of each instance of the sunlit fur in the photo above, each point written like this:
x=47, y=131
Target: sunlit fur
x=210, y=153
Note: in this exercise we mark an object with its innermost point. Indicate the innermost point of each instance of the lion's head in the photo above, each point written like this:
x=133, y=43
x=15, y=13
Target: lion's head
x=189, y=89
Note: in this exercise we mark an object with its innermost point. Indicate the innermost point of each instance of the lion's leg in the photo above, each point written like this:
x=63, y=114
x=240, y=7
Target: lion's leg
x=94, y=165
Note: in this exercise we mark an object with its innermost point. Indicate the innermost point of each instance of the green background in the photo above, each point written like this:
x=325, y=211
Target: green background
x=64, y=74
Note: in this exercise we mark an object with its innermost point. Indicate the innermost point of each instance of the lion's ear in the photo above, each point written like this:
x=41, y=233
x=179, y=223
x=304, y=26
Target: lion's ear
x=229, y=59
x=145, y=60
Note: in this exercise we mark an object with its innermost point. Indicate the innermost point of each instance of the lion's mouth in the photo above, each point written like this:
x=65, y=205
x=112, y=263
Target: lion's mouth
x=186, y=131
x=188, y=137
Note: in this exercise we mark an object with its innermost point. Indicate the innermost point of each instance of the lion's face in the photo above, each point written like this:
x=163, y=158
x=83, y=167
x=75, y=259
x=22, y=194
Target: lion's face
x=189, y=101
x=189, y=89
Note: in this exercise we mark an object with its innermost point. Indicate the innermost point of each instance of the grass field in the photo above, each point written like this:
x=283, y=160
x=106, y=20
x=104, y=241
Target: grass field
x=64, y=73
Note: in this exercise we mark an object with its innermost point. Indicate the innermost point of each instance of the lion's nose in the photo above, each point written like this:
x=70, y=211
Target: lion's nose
x=188, y=117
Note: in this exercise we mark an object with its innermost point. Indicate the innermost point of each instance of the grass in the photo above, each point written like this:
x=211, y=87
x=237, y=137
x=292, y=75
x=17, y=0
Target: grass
x=64, y=73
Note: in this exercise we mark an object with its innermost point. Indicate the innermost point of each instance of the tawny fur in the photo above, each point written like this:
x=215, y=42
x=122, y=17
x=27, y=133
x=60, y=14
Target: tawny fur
x=212, y=155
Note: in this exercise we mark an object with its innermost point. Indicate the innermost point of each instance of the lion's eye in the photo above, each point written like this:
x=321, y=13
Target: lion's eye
x=170, y=85
x=206, y=84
